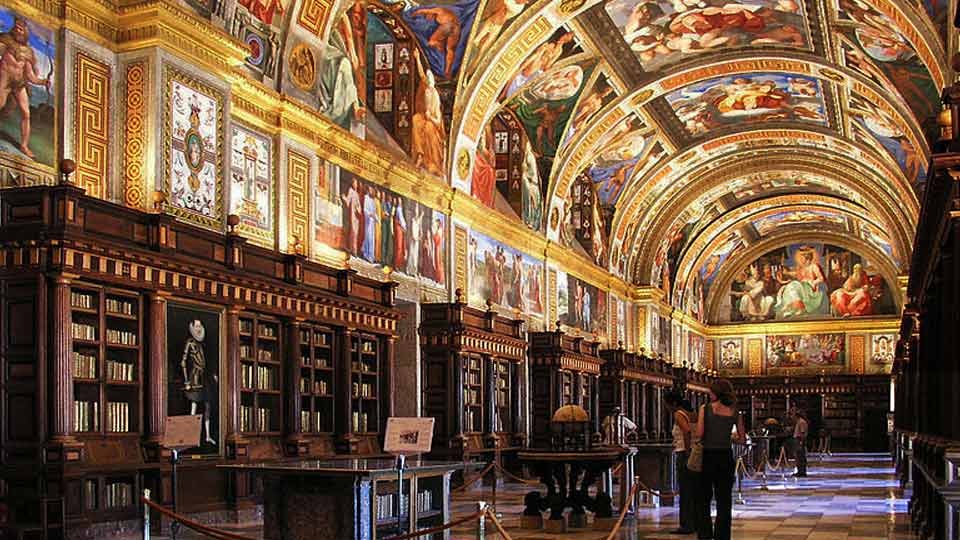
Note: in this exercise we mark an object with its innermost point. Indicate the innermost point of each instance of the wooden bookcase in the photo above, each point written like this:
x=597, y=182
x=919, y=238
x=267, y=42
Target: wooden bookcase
x=364, y=385
x=635, y=384
x=473, y=380
x=561, y=367
x=473, y=394
x=837, y=403
x=90, y=367
x=261, y=364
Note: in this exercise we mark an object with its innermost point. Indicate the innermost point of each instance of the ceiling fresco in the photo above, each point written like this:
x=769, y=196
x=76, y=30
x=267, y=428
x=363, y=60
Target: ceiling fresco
x=682, y=114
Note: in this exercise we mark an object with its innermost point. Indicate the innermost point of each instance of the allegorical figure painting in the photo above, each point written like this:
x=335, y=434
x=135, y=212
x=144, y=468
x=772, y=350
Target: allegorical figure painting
x=665, y=32
x=581, y=305
x=27, y=94
x=809, y=281
x=379, y=226
x=806, y=351
x=626, y=152
x=748, y=99
x=872, y=122
x=503, y=275
x=193, y=368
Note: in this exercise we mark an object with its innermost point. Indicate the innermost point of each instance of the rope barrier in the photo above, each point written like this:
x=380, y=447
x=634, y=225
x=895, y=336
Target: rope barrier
x=438, y=528
x=647, y=488
x=623, y=511
x=468, y=483
x=743, y=467
x=780, y=459
x=515, y=477
x=190, y=524
x=617, y=469
x=496, y=523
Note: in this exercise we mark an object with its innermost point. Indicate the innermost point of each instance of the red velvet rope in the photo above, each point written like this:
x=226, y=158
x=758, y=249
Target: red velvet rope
x=190, y=524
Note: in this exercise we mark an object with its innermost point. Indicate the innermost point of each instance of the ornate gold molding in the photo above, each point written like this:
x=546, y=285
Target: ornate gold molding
x=658, y=222
x=134, y=133
x=158, y=23
x=91, y=130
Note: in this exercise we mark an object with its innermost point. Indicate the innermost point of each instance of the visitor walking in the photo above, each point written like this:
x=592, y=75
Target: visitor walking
x=800, y=442
x=715, y=423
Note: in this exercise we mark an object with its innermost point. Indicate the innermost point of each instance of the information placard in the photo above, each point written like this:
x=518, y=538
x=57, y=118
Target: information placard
x=182, y=432
x=408, y=436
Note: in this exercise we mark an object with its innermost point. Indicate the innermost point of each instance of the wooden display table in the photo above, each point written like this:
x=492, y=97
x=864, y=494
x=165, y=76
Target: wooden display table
x=352, y=499
x=568, y=477
x=655, y=464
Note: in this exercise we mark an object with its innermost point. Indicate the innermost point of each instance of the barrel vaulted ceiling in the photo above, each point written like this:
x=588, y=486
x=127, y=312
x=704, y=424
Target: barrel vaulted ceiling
x=702, y=125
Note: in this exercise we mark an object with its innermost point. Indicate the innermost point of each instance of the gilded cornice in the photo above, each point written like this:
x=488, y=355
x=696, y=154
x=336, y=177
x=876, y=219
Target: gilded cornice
x=880, y=324
x=585, y=269
x=256, y=104
x=645, y=294
x=159, y=23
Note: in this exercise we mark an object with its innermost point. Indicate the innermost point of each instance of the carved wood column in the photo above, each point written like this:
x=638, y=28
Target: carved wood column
x=236, y=444
x=658, y=407
x=645, y=427
x=490, y=389
x=457, y=396
x=157, y=367
x=595, y=402
x=295, y=441
x=61, y=354
x=343, y=367
x=388, y=382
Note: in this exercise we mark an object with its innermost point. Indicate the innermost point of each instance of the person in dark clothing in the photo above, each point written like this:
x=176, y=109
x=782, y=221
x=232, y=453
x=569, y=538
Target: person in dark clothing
x=715, y=424
x=687, y=479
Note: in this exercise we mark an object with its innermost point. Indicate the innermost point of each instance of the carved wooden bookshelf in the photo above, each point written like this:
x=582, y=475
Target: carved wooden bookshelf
x=565, y=370
x=86, y=357
x=635, y=383
x=473, y=380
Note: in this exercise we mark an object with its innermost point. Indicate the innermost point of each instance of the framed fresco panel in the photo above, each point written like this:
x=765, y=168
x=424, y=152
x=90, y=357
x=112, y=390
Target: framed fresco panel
x=194, y=367
x=730, y=354
x=252, y=192
x=882, y=347
x=28, y=112
x=806, y=352
x=193, y=149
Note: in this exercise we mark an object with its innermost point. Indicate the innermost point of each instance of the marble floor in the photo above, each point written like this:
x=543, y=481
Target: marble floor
x=845, y=497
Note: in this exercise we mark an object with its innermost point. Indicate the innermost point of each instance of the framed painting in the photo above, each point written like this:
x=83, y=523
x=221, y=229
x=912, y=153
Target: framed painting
x=194, y=367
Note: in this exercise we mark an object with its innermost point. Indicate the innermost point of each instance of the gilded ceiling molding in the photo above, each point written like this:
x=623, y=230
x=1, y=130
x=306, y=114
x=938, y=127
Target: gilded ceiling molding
x=157, y=23
x=707, y=240
x=879, y=324
x=730, y=268
x=660, y=218
x=481, y=91
x=784, y=63
x=926, y=43
x=644, y=197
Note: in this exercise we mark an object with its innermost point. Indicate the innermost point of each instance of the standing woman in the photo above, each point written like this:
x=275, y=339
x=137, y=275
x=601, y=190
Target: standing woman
x=682, y=434
x=714, y=426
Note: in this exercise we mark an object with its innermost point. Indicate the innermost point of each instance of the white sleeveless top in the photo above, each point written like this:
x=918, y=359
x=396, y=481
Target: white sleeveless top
x=679, y=444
